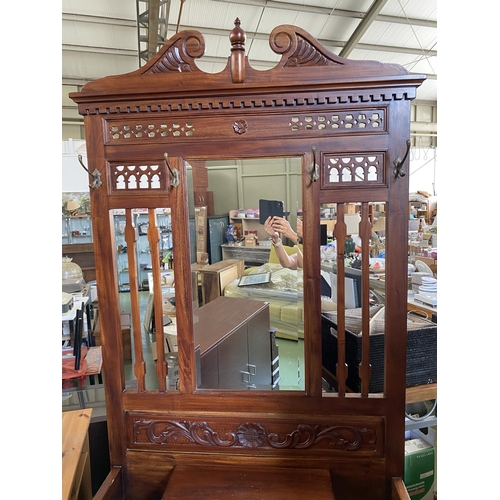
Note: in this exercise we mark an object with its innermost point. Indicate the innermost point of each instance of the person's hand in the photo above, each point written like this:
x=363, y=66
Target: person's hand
x=269, y=228
x=282, y=226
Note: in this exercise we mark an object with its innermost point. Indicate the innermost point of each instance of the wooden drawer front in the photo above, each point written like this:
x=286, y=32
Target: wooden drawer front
x=216, y=277
x=233, y=360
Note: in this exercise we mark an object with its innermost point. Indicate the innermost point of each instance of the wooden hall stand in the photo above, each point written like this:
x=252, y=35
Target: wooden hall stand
x=344, y=120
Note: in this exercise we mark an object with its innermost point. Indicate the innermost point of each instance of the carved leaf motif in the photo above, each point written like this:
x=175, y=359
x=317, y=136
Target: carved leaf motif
x=254, y=435
x=299, y=48
x=179, y=55
x=307, y=55
x=160, y=432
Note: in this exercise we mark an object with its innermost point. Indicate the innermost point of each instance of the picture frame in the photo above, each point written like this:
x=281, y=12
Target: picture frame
x=255, y=279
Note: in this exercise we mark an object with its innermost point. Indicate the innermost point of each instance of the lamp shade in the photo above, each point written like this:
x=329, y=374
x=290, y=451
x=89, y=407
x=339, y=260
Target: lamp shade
x=352, y=223
x=72, y=205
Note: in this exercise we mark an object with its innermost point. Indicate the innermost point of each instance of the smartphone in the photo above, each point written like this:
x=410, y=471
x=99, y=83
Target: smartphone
x=270, y=208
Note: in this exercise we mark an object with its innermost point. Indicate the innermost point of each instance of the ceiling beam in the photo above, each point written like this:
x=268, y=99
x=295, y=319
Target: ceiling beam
x=360, y=30
x=115, y=51
x=327, y=11
x=327, y=43
x=83, y=18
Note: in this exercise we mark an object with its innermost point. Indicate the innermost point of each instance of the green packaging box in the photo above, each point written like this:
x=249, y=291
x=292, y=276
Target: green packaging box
x=419, y=464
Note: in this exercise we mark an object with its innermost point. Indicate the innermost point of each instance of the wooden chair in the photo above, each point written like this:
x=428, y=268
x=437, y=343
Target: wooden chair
x=348, y=122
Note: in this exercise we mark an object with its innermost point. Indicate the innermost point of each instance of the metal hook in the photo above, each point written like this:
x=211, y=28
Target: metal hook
x=174, y=173
x=96, y=175
x=398, y=162
x=314, y=167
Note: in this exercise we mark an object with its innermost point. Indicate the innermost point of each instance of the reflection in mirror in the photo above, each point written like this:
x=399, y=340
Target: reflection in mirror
x=143, y=239
x=355, y=232
x=248, y=335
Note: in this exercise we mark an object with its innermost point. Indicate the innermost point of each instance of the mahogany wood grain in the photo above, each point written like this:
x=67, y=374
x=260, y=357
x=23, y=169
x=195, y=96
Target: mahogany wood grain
x=252, y=483
x=112, y=487
x=399, y=490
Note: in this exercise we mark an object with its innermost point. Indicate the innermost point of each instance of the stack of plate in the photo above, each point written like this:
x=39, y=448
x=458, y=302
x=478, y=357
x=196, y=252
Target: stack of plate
x=427, y=291
x=428, y=286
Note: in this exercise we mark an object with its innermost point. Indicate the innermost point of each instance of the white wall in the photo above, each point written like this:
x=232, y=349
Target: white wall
x=423, y=169
x=74, y=177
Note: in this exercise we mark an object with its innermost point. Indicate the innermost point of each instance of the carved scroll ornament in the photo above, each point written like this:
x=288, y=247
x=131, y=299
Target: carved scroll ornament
x=253, y=435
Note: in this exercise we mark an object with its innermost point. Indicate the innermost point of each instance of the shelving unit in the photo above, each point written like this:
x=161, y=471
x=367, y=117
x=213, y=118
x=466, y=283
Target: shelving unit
x=423, y=209
x=143, y=252
x=250, y=224
x=77, y=229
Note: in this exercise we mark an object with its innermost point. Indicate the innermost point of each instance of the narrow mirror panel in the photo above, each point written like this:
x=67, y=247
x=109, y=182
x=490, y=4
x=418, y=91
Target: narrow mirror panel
x=353, y=295
x=144, y=249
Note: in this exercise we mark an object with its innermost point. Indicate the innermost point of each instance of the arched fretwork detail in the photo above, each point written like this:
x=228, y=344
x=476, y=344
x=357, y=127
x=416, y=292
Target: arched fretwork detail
x=128, y=177
x=341, y=170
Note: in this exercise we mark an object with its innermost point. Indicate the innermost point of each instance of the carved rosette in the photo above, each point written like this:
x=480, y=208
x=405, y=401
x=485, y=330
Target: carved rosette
x=253, y=435
x=240, y=126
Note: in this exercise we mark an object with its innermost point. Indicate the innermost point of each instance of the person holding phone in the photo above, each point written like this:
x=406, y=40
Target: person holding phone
x=276, y=225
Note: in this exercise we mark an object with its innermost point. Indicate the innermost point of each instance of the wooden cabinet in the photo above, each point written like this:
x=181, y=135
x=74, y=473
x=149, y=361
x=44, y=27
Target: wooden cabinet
x=83, y=255
x=234, y=351
x=423, y=210
x=216, y=277
x=246, y=224
x=253, y=256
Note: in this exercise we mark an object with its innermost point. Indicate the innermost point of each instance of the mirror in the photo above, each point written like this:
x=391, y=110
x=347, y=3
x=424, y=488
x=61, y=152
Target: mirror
x=246, y=337
x=358, y=271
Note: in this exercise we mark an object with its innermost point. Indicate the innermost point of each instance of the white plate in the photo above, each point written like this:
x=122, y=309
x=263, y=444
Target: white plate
x=422, y=267
x=428, y=280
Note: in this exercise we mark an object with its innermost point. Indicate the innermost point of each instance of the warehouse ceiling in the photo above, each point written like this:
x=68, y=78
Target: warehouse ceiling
x=107, y=37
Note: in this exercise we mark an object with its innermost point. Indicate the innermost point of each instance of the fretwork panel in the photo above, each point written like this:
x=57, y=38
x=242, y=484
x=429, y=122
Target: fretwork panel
x=353, y=170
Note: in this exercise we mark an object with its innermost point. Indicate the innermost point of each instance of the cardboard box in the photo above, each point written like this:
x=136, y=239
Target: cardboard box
x=419, y=474
x=250, y=240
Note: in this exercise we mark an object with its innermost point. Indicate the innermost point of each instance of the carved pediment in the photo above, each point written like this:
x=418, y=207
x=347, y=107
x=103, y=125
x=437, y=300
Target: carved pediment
x=299, y=48
x=178, y=54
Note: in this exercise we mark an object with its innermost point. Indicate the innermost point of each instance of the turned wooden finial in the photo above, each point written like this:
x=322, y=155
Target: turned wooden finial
x=237, y=37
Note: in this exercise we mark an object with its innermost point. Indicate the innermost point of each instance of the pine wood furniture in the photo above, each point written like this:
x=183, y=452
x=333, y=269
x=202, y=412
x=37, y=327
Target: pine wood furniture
x=215, y=277
x=76, y=480
x=349, y=123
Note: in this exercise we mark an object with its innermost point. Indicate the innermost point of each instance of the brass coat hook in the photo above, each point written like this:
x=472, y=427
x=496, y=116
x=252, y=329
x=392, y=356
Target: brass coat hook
x=96, y=175
x=174, y=173
x=314, y=167
x=398, y=162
